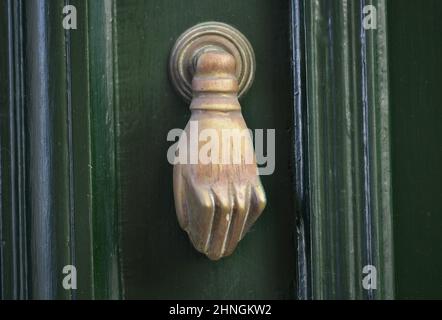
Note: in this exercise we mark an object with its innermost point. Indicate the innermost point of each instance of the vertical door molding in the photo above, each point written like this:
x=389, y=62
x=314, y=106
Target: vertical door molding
x=41, y=101
x=342, y=150
x=58, y=178
x=14, y=270
x=103, y=59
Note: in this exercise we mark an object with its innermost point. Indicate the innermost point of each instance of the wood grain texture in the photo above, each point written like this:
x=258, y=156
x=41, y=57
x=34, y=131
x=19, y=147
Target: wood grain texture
x=80, y=153
x=104, y=104
x=46, y=105
x=14, y=268
x=58, y=185
x=348, y=151
x=299, y=149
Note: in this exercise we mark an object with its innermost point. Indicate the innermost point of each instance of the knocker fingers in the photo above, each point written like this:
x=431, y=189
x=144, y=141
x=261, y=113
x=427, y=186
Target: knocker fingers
x=201, y=212
x=241, y=211
x=258, y=202
x=224, y=204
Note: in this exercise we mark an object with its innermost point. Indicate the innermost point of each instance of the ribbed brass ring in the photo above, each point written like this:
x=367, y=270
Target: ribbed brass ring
x=209, y=35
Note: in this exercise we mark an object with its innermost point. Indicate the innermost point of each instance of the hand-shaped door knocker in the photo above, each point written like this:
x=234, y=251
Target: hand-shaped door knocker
x=218, y=192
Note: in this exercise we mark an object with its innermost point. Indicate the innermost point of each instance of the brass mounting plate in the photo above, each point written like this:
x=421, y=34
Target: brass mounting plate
x=204, y=35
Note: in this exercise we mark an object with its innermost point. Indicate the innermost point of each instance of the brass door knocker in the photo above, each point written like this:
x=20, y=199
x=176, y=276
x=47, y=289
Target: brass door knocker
x=218, y=198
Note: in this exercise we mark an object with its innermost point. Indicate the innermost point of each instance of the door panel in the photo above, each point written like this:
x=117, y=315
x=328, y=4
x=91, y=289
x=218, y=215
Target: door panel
x=415, y=45
x=157, y=258
x=85, y=180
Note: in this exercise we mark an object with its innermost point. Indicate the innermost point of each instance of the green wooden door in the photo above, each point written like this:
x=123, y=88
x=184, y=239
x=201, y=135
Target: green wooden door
x=85, y=181
x=89, y=184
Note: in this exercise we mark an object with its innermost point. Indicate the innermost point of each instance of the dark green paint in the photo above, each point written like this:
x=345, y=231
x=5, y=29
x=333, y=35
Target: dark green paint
x=80, y=158
x=45, y=102
x=348, y=150
x=158, y=259
x=103, y=111
x=85, y=179
x=415, y=44
x=61, y=149
x=14, y=280
x=57, y=173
